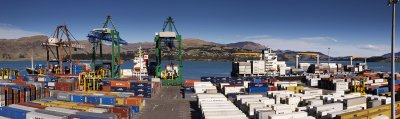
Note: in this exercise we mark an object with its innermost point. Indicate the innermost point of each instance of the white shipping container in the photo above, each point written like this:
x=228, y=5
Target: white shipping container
x=268, y=101
x=218, y=107
x=37, y=115
x=97, y=110
x=22, y=107
x=315, y=102
x=238, y=116
x=354, y=101
x=63, y=110
x=292, y=100
x=324, y=113
x=283, y=111
x=280, y=106
x=298, y=109
x=210, y=113
x=203, y=84
x=251, y=107
x=289, y=116
x=363, y=106
x=264, y=114
x=308, y=117
x=379, y=80
x=211, y=91
x=236, y=89
x=341, y=86
x=386, y=101
x=335, y=106
x=51, y=84
x=40, y=79
x=312, y=91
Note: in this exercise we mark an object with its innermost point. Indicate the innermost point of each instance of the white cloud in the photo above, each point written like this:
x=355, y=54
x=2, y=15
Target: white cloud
x=372, y=47
x=320, y=38
x=8, y=31
x=320, y=44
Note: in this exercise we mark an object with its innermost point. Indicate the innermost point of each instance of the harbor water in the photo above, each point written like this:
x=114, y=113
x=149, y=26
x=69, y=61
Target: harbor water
x=196, y=69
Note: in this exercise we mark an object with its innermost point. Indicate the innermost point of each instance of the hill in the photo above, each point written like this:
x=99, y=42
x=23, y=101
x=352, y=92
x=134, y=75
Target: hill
x=194, y=49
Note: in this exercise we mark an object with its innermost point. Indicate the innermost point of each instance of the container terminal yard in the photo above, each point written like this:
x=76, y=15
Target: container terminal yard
x=266, y=88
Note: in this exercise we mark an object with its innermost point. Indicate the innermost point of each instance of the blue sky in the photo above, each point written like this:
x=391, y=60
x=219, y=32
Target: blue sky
x=349, y=27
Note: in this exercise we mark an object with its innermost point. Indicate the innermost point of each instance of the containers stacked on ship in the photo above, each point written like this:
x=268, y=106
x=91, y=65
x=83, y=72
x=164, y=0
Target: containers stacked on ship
x=245, y=69
x=258, y=67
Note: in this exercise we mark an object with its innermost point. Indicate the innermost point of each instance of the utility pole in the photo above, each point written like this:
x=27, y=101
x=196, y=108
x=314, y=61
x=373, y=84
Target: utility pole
x=329, y=57
x=393, y=106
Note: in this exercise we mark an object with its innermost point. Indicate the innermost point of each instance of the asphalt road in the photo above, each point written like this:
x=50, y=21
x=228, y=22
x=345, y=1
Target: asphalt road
x=168, y=104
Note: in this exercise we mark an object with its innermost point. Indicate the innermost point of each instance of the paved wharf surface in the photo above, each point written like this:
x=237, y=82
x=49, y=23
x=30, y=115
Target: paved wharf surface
x=169, y=104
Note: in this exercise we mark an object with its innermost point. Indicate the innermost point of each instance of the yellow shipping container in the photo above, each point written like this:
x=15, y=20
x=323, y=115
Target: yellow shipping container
x=385, y=112
x=120, y=101
x=352, y=115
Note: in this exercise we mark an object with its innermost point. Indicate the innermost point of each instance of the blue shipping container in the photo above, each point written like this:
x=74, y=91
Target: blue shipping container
x=140, y=84
x=135, y=108
x=119, y=89
x=77, y=98
x=257, y=81
x=108, y=100
x=381, y=90
x=258, y=85
x=13, y=113
x=397, y=81
x=258, y=89
x=93, y=99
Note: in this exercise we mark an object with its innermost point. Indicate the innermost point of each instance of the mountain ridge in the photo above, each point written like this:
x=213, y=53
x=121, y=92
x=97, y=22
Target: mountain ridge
x=20, y=50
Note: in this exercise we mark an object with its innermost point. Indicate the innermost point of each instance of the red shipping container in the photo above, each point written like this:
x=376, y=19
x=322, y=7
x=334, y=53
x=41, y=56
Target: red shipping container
x=123, y=112
x=46, y=93
x=272, y=88
x=33, y=105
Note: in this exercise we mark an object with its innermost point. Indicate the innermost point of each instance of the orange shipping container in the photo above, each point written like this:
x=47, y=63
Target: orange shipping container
x=134, y=101
x=190, y=83
x=115, y=83
x=106, y=88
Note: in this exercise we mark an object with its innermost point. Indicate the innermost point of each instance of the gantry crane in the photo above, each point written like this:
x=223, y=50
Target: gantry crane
x=308, y=54
x=169, y=35
x=354, y=57
x=107, y=34
x=59, y=42
x=358, y=85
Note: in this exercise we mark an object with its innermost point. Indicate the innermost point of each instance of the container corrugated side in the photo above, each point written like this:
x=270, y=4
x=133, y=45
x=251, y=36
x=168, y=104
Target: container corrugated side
x=64, y=110
x=39, y=115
